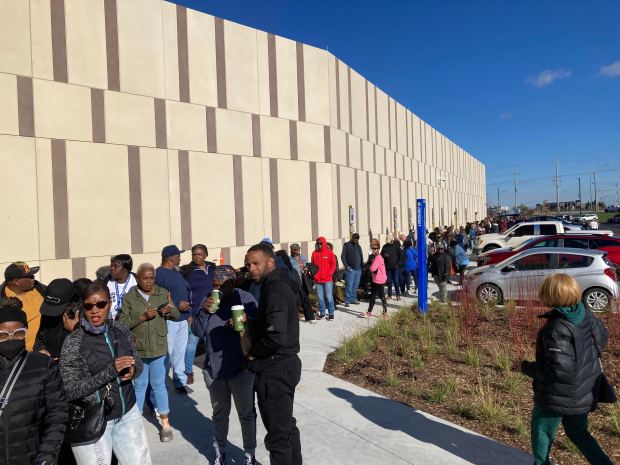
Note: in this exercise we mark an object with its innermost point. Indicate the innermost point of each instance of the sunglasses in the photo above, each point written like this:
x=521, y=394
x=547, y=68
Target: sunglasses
x=375, y=248
x=101, y=304
x=18, y=335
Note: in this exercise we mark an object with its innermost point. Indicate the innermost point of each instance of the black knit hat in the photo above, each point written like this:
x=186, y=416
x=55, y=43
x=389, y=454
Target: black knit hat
x=11, y=310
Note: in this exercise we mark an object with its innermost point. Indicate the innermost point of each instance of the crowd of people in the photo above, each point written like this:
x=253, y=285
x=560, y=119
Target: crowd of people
x=82, y=361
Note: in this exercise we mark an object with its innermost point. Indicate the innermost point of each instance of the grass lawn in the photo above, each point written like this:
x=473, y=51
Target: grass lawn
x=455, y=363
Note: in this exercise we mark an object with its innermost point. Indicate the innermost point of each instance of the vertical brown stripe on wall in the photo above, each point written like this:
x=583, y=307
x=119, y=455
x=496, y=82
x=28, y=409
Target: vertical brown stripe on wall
x=389, y=109
x=97, y=105
x=338, y=201
x=327, y=144
x=256, y=142
x=407, y=131
x=384, y=158
x=376, y=117
x=275, y=200
x=25, y=106
x=161, y=135
x=314, y=202
x=367, y=112
x=61, y=202
x=357, y=212
x=347, y=149
x=59, y=40
x=186, y=200
x=374, y=158
x=368, y=199
x=301, y=85
x=78, y=267
x=135, y=199
x=338, y=93
x=305, y=248
x=220, y=62
x=226, y=254
x=396, y=125
x=238, y=186
x=349, y=99
x=381, y=212
x=292, y=130
x=273, y=75
x=183, y=53
x=211, y=130
x=111, y=42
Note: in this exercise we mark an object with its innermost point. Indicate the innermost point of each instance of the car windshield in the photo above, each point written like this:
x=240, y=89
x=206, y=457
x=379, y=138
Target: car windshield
x=508, y=231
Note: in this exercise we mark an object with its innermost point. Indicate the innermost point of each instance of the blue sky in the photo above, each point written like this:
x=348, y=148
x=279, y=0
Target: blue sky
x=517, y=84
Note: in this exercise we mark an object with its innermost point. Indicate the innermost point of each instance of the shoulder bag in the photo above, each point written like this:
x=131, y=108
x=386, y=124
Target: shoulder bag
x=87, y=422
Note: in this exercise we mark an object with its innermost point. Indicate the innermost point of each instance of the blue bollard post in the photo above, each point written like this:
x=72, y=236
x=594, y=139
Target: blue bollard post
x=422, y=258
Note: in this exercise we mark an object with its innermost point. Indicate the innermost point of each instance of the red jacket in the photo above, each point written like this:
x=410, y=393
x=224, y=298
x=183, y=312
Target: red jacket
x=325, y=259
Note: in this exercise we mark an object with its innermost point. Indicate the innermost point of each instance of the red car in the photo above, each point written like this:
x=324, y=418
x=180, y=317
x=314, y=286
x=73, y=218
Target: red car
x=608, y=244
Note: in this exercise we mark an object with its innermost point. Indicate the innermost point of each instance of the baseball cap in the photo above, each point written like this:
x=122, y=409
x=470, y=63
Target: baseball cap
x=57, y=295
x=267, y=240
x=170, y=250
x=18, y=270
x=355, y=236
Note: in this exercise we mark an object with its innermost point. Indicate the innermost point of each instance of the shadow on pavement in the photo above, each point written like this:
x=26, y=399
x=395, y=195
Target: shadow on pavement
x=476, y=449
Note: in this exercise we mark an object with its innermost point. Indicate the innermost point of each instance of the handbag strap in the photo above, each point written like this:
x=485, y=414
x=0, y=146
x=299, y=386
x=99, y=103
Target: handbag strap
x=10, y=382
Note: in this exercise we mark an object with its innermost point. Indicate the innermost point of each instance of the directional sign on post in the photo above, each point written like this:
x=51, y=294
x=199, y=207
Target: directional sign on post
x=422, y=258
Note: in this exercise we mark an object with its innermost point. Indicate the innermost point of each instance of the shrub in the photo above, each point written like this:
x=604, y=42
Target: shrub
x=391, y=377
x=513, y=383
x=441, y=390
x=502, y=358
x=356, y=347
x=473, y=357
x=516, y=426
x=487, y=405
x=417, y=360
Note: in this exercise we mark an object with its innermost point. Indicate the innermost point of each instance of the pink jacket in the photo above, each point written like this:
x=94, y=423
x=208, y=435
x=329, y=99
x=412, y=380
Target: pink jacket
x=378, y=270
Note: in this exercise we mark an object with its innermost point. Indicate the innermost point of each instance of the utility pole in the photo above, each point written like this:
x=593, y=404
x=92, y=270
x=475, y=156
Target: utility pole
x=617, y=197
x=590, y=199
x=498, y=204
x=579, y=179
x=514, y=181
x=557, y=184
x=595, y=197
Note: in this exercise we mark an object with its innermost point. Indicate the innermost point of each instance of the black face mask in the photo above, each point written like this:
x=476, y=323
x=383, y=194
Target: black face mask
x=9, y=349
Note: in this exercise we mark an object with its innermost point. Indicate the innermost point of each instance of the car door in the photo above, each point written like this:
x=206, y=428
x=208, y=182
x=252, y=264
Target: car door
x=520, y=234
x=577, y=266
x=523, y=277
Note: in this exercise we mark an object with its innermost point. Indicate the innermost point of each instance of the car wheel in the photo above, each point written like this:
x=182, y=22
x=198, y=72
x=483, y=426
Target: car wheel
x=597, y=299
x=489, y=294
x=490, y=247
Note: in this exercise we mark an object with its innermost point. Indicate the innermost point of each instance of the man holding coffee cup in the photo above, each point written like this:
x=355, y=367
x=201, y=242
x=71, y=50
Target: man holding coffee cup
x=221, y=324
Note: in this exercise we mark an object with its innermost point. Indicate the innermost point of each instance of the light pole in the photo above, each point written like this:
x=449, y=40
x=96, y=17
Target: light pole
x=579, y=179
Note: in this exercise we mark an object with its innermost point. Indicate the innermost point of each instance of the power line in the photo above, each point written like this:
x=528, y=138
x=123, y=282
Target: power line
x=542, y=178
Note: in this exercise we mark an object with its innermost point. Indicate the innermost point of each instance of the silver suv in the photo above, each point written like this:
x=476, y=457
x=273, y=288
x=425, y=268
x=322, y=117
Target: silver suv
x=520, y=276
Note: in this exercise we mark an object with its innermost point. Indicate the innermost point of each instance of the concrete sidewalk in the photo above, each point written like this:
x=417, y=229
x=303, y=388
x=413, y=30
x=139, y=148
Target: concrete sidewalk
x=340, y=423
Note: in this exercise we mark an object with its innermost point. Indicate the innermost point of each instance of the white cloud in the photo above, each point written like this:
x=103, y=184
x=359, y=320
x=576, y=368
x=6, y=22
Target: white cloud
x=611, y=70
x=548, y=77
x=506, y=115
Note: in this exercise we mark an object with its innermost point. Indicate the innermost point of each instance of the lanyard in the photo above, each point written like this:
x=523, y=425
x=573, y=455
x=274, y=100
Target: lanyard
x=119, y=297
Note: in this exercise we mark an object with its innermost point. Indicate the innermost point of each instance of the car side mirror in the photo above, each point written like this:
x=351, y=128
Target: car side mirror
x=509, y=269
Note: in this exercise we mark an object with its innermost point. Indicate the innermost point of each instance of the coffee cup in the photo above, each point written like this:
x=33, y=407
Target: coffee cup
x=216, y=295
x=237, y=316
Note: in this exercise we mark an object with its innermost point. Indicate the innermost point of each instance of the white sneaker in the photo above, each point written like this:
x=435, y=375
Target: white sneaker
x=313, y=322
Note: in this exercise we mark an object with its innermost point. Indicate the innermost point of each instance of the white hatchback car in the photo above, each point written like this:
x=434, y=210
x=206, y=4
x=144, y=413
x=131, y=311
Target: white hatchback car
x=520, y=276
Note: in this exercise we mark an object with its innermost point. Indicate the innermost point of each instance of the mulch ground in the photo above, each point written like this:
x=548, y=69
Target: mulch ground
x=444, y=380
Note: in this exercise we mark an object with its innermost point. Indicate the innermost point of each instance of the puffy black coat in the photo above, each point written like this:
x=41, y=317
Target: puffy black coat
x=391, y=254
x=567, y=364
x=32, y=426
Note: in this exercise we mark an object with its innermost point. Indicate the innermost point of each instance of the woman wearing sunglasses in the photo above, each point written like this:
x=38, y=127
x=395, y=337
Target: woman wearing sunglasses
x=145, y=310
x=98, y=363
x=379, y=278
x=33, y=409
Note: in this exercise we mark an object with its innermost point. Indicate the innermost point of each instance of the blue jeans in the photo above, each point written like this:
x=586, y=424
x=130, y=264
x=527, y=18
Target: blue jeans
x=393, y=278
x=323, y=291
x=125, y=436
x=177, y=344
x=153, y=373
x=190, y=351
x=352, y=281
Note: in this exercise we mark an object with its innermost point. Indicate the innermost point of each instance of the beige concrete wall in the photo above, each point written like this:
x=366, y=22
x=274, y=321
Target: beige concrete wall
x=127, y=125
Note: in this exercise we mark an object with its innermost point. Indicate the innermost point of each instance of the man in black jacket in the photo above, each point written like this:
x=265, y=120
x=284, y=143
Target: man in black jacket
x=440, y=269
x=391, y=254
x=352, y=258
x=273, y=355
x=33, y=414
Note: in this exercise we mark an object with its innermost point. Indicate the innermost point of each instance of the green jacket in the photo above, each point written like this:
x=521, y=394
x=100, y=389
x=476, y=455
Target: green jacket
x=151, y=336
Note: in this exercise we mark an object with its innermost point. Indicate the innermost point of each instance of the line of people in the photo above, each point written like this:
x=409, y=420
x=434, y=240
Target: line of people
x=80, y=360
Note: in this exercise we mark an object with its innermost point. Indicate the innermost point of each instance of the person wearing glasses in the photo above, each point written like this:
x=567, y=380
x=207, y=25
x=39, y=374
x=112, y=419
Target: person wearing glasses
x=145, y=310
x=33, y=409
x=379, y=278
x=98, y=363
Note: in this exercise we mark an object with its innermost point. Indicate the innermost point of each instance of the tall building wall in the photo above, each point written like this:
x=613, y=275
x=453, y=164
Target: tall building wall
x=130, y=124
